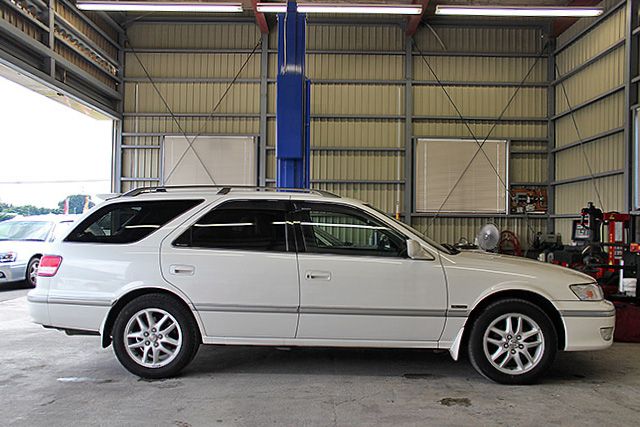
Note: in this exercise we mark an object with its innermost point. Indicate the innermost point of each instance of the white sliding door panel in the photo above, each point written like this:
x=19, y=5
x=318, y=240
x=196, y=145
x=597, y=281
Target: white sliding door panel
x=228, y=160
x=453, y=176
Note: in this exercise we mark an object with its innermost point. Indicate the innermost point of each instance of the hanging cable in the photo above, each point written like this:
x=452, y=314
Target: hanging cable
x=580, y=140
x=468, y=127
x=210, y=116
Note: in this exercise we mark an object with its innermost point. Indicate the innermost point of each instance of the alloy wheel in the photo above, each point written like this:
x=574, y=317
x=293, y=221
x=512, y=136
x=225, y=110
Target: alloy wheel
x=513, y=343
x=153, y=338
x=33, y=272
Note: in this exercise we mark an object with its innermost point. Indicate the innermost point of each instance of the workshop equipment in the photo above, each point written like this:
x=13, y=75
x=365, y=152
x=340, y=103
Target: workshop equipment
x=614, y=263
x=531, y=200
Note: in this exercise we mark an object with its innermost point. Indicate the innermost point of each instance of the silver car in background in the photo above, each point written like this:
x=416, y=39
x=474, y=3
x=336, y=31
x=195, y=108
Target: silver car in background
x=23, y=240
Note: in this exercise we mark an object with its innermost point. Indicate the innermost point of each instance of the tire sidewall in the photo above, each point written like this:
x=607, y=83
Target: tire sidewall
x=186, y=324
x=33, y=261
x=492, y=312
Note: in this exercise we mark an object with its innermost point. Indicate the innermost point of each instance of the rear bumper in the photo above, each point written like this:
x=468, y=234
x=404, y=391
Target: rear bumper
x=588, y=325
x=38, y=307
x=12, y=272
x=63, y=313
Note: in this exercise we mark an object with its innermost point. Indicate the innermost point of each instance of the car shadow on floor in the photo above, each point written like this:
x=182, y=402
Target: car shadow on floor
x=407, y=363
x=15, y=286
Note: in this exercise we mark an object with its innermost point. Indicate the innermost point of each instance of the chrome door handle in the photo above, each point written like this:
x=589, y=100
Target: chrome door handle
x=183, y=270
x=318, y=275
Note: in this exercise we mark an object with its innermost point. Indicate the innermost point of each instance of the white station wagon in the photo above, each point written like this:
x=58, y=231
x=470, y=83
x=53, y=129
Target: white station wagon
x=157, y=272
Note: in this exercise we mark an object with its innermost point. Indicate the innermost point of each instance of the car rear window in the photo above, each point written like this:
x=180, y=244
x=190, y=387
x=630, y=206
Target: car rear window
x=128, y=222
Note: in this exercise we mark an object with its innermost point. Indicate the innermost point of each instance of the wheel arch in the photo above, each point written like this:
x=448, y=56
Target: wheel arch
x=34, y=256
x=123, y=300
x=535, y=298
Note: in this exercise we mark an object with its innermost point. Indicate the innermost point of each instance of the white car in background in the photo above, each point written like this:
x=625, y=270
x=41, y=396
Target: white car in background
x=23, y=241
x=157, y=272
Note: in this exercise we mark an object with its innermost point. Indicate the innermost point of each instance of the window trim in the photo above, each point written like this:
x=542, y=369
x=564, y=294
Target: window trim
x=290, y=239
x=299, y=235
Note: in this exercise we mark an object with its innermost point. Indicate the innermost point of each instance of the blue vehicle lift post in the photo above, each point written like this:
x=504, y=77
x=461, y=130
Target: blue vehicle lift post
x=292, y=102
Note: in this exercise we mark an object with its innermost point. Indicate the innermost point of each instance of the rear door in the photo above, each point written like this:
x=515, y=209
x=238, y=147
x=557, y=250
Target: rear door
x=357, y=283
x=237, y=263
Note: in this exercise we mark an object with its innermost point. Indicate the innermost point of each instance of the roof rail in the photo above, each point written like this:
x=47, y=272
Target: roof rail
x=224, y=189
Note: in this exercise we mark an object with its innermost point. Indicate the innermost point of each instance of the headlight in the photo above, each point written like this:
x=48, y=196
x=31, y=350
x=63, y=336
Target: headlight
x=8, y=256
x=588, y=292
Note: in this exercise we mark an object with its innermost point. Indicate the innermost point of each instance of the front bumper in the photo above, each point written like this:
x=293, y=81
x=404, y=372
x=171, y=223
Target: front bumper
x=587, y=323
x=12, y=272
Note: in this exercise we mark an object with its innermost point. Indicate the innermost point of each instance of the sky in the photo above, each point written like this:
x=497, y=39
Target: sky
x=42, y=140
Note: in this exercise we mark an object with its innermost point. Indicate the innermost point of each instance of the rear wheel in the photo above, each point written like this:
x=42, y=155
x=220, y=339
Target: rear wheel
x=512, y=342
x=155, y=336
x=32, y=272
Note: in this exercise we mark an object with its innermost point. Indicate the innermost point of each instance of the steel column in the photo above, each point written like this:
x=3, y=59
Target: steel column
x=50, y=63
x=551, y=135
x=630, y=100
x=262, y=141
x=307, y=135
x=290, y=100
x=408, y=131
x=118, y=124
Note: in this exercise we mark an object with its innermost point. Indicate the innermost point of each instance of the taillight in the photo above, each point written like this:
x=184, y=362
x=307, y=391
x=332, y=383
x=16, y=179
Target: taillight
x=49, y=265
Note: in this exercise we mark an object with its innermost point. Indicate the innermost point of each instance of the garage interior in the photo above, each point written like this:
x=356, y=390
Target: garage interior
x=396, y=103
x=373, y=97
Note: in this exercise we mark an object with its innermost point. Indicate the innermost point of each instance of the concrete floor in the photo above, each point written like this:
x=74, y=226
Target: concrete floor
x=49, y=379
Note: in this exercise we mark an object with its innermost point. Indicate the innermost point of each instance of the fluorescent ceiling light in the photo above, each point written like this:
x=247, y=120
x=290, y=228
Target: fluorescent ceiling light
x=355, y=8
x=151, y=6
x=390, y=9
x=518, y=11
x=271, y=7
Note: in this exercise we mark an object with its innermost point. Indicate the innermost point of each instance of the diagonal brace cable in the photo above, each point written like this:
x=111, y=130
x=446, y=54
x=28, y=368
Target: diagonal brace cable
x=468, y=127
x=213, y=111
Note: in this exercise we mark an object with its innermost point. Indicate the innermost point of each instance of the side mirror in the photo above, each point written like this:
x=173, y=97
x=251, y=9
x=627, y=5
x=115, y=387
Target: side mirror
x=416, y=251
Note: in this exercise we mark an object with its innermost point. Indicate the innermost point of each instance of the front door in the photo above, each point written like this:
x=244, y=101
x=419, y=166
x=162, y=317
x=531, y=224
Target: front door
x=237, y=263
x=357, y=283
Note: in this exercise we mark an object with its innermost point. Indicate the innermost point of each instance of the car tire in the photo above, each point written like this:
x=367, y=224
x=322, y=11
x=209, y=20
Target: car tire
x=155, y=336
x=31, y=276
x=512, y=341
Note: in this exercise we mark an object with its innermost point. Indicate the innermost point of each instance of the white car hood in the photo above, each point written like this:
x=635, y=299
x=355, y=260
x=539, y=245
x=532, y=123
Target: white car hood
x=519, y=266
x=494, y=269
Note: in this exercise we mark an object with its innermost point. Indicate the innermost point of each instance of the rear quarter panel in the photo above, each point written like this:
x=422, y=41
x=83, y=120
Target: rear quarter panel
x=92, y=277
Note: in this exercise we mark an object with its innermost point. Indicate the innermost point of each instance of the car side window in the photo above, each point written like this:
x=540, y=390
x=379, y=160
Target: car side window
x=128, y=222
x=251, y=225
x=337, y=229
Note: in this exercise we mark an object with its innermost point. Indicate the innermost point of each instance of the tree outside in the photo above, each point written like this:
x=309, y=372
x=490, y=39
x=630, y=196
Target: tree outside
x=77, y=204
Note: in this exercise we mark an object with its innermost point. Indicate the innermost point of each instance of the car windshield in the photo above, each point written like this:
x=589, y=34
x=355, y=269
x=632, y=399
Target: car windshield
x=25, y=230
x=438, y=246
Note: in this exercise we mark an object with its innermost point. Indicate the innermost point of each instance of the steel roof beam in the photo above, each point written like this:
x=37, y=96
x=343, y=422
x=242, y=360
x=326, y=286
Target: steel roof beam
x=260, y=18
x=414, y=21
x=562, y=24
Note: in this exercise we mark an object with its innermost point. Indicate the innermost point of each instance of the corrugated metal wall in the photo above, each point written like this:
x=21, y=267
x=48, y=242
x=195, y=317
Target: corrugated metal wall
x=590, y=108
x=359, y=87
x=484, y=66
x=191, y=65
x=359, y=102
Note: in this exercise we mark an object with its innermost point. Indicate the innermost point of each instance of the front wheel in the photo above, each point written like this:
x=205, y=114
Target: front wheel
x=512, y=342
x=154, y=336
